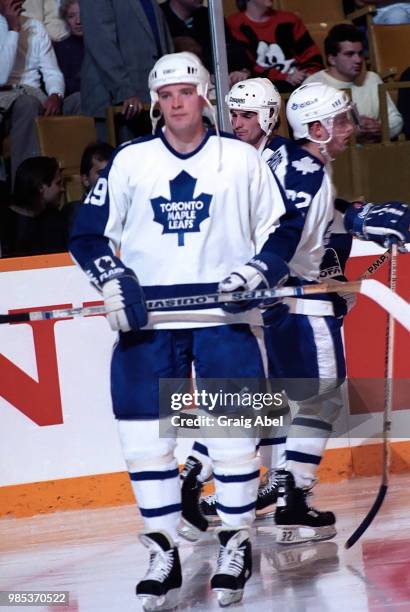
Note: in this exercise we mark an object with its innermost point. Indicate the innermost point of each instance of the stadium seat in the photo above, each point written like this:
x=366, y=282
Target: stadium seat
x=314, y=11
x=389, y=49
x=377, y=171
x=319, y=31
x=65, y=138
x=111, y=114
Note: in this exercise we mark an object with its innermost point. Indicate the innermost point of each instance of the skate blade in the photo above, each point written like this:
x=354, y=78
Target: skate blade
x=161, y=602
x=227, y=597
x=297, y=534
x=265, y=516
x=189, y=532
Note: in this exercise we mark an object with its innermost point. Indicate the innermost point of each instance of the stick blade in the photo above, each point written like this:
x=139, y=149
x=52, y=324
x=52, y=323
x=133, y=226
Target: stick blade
x=393, y=303
x=368, y=519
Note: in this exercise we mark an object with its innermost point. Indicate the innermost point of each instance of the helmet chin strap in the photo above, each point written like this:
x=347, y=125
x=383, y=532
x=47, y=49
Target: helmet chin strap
x=218, y=134
x=325, y=152
x=262, y=143
x=323, y=143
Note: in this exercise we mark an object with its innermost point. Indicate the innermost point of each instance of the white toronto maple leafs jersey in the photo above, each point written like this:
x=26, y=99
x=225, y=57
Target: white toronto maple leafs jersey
x=308, y=186
x=179, y=223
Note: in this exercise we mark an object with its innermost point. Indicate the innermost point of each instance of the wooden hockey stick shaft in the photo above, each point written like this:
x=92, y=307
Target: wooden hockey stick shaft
x=388, y=404
x=376, y=265
x=376, y=291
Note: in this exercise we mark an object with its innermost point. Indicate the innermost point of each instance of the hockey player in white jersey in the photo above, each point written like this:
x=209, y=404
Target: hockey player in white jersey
x=312, y=324
x=187, y=208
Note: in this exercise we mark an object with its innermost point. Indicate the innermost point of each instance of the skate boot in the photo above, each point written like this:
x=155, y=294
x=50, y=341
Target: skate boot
x=193, y=523
x=267, y=497
x=234, y=566
x=297, y=521
x=208, y=509
x=159, y=588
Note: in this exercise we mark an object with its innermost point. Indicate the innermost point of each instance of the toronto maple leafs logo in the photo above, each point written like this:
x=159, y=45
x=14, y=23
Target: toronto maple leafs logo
x=183, y=212
x=103, y=264
x=306, y=165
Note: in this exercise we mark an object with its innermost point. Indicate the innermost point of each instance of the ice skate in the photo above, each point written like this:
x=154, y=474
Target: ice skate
x=267, y=497
x=234, y=566
x=208, y=509
x=296, y=521
x=193, y=523
x=159, y=588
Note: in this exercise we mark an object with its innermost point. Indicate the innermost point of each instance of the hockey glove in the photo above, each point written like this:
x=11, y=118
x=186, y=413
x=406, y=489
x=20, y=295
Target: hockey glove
x=264, y=271
x=123, y=297
x=381, y=223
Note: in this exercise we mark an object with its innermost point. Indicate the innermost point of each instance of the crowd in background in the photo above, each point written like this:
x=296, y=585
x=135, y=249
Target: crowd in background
x=81, y=56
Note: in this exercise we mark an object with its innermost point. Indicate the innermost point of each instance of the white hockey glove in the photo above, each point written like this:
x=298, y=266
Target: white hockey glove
x=123, y=297
x=264, y=271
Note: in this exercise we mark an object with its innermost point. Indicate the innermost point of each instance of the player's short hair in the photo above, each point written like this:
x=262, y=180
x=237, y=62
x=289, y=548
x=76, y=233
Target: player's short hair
x=341, y=32
x=102, y=151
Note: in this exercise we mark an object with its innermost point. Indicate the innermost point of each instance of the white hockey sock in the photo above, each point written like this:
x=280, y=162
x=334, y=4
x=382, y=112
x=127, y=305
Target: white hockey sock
x=305, y=446
x=236, y=487
x=154, y=474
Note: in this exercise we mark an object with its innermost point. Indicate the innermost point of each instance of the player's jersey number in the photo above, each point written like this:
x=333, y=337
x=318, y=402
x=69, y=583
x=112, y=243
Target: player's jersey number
x=98, y=194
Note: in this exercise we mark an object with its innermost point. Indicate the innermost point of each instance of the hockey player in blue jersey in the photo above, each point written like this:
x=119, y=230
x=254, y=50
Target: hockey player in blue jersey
x=186, y=208
x=304, y=340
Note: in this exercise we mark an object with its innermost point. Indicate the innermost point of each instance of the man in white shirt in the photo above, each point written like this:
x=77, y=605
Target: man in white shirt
x=47, y=11
x=344, y=54
x=27, y=61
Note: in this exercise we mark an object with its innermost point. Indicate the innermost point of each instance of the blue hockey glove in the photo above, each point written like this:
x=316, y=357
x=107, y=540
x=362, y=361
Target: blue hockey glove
x=263, y=271
x=381, y=223
x=123, y=297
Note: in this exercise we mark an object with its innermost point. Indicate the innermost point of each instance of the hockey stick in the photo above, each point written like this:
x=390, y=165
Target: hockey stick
x=388, y=401
x=378, y=263
x=376, y=291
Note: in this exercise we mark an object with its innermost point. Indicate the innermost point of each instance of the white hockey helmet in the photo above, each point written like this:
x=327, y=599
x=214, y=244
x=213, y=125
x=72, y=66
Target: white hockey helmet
x=174, y=68
x=259, y=96
x=315, y=102
x=184, y=67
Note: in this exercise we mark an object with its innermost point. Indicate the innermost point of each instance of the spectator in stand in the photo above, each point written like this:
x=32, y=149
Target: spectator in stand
x=278, y=42
x=47, y=11
x=188, y=19
x=403, y=103
x=95, y=157
x=122, y=40
x=388, y=12
x=28, y=63
x=344, y=53
x=70, y=53
x=36, y=223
